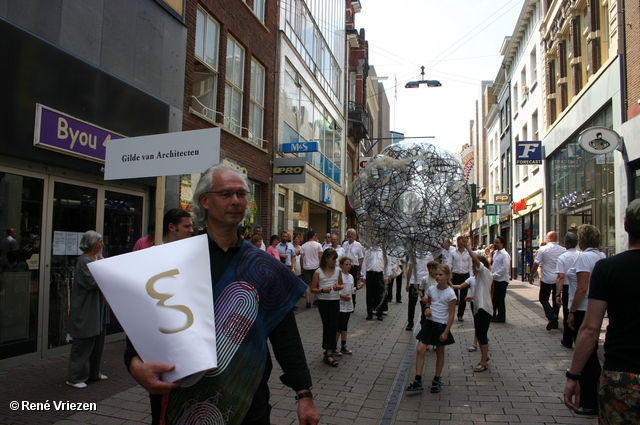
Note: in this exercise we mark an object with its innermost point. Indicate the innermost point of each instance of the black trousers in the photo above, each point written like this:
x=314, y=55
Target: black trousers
x=590, y=374
x=458, y=279
x=546, y=290
x=375, y=292
x=567, y=334
x=398, y=281
x=414, y=298
x=355, y=270
x=499, y=305
x=330, y=314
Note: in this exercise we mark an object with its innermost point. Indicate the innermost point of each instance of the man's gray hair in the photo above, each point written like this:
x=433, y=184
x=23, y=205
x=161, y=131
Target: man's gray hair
x=89, y=239
x=205, y=184
x=352, y=230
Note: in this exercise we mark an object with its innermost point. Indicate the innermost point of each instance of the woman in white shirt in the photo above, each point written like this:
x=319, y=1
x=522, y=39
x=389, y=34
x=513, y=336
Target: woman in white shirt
x=327, y=281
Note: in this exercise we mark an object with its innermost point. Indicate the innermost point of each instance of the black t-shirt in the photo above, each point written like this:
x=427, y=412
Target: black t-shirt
x=616, y=280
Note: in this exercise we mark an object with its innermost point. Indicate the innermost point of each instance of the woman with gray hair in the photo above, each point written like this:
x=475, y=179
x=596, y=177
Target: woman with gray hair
x=88, y=316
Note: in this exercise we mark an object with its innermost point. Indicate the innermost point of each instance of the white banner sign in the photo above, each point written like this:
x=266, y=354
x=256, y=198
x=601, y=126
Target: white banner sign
x=169, y=154
x=162, y=297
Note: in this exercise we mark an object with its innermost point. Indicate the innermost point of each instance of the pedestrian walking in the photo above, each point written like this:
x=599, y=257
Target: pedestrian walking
x=346, y=304
x=613, y=289
x=589, y=238
x=327, y=282
x=439, y=313
x=548, y=257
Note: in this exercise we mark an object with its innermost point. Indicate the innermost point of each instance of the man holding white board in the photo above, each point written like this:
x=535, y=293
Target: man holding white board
x=254, y=295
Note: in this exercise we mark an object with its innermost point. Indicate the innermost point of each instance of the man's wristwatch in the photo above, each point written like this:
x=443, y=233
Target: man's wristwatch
x=571, y=376
x=304, y=394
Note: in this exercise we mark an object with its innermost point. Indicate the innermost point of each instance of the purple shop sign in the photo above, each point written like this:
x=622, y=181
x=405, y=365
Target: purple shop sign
x=64, y=133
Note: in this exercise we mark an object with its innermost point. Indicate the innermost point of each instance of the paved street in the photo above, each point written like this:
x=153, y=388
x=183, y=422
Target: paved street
x=523, y=384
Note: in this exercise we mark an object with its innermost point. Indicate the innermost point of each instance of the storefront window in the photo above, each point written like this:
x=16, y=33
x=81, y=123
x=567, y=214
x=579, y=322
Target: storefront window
x=583, y=187
x=20, y=224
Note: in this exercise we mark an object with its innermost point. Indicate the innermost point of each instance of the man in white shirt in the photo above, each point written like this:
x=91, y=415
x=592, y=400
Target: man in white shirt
x=354, y=250
x=565, y=262
x=446, y=252
x=335, y=246
x=374, y=276
x=501, y=271
x=461, y=267
x=327, y=242
x=548, y=256
x=310, y=255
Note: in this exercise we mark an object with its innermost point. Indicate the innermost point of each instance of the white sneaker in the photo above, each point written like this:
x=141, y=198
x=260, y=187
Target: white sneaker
x=103, y=377
x=79, y=385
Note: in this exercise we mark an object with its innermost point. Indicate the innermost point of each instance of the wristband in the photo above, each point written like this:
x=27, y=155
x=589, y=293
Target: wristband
x=571, y=376
x=572, y=312
x=304, y=394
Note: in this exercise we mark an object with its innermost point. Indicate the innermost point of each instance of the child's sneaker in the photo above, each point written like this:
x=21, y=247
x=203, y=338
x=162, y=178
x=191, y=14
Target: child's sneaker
x=345, y=350
x=436, y=386
x=415, y=386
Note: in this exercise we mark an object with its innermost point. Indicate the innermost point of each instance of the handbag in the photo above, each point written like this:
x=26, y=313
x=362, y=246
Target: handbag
x=396, y=271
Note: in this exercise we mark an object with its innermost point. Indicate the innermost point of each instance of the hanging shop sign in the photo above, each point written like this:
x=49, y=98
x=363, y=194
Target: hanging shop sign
x=300, y=147
x=528, y=152
x=60, y=132
x=325, y=193
x=599, y=140
x=289, y=170
x=501, y=198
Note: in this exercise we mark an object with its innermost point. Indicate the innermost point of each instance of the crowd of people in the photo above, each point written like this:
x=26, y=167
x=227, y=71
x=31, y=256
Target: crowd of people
x=575, y=279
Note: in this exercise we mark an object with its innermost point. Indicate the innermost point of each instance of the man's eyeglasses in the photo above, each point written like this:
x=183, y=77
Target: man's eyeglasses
x=227, y=194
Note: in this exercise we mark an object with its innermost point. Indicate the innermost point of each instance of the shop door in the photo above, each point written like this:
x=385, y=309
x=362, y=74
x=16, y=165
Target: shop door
x=76, y=209
x=21, y=205
x=73, y=213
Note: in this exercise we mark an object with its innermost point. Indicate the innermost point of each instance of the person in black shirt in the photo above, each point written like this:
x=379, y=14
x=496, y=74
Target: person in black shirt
x=613, y=289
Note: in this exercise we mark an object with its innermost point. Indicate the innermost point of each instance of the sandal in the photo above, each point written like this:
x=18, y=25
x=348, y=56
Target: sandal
x=481, y=368
x=472, y=348
x=332, y=362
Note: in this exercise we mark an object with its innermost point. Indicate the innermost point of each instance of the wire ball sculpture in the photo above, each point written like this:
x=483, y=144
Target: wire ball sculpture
x=409, y=198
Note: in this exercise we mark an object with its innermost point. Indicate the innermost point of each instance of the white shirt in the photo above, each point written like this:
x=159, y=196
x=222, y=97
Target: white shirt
x=585, y=263
x=310, y=250
x=548, y=255
x=446, y=255
x=420, y=273
x=501, y=265
x=566, y=260
x=328, y=282
x=373, y=261
x=440, y=300
x=347, y=281
x=481, y=290
x=355, y=251
x=461, y=262
x=339, y=250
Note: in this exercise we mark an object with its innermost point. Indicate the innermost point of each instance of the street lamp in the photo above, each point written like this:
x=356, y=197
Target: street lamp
x=416, y=84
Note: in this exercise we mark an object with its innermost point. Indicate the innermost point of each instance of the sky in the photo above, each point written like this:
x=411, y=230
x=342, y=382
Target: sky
x=458, y=42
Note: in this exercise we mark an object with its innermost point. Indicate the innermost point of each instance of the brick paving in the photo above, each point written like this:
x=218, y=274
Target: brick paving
x=523, y=384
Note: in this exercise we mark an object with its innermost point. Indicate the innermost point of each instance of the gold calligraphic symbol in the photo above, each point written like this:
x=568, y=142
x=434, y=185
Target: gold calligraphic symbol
x=164, y=297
